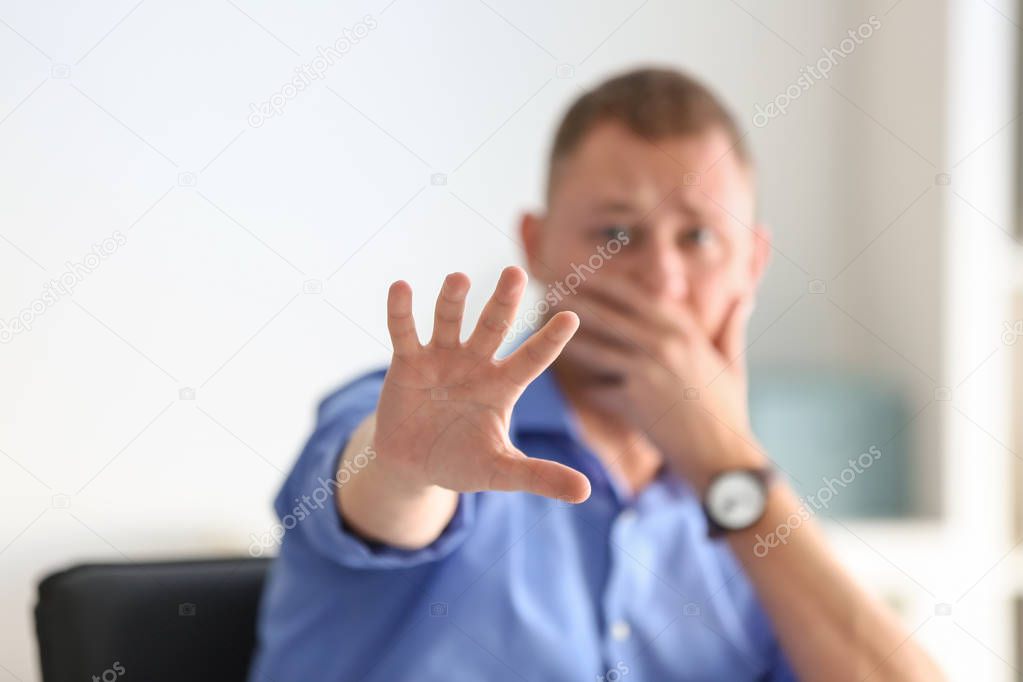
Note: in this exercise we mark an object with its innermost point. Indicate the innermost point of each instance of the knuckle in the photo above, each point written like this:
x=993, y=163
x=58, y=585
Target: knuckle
x=448, y=317
x=533, y=354
x=493, y=324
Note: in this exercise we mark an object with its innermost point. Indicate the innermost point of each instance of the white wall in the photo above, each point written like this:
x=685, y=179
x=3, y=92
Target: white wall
x=105, y=111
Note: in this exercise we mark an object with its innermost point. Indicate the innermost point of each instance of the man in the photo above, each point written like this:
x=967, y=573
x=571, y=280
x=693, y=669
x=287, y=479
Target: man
x=593, y=505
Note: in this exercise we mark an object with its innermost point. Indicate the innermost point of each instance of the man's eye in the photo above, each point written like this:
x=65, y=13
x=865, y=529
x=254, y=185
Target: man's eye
x=699, y=235
x=619, y=232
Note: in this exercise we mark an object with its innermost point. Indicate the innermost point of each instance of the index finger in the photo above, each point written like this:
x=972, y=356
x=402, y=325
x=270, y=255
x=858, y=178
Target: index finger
x=633, y=300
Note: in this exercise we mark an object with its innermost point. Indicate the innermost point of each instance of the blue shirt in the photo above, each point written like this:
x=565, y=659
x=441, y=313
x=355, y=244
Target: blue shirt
x=518, y=587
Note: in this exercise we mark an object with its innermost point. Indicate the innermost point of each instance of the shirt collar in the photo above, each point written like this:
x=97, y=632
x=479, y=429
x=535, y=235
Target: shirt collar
x=542, y=409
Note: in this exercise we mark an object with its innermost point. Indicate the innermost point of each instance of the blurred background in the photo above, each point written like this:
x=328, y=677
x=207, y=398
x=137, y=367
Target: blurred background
x=193, y=251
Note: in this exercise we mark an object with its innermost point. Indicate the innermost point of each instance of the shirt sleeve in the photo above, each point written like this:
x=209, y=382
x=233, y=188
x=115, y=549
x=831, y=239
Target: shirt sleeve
x=306, y=506
x=782, y=671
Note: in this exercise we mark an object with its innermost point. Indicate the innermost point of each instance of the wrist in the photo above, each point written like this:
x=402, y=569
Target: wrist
x=735, y=451
x=394, y=475
x=372, y=466
x=383, y=503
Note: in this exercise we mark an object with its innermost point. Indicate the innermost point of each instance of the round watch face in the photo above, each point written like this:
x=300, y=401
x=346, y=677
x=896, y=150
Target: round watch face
x=736, y=499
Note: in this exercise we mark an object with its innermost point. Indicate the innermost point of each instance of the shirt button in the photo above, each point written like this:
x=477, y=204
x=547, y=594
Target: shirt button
x=620, y=630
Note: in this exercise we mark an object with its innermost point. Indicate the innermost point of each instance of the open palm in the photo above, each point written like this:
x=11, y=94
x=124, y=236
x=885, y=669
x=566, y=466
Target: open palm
x=445, y=407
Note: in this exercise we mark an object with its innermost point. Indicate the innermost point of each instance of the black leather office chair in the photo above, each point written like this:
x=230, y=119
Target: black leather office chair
x=163, y=621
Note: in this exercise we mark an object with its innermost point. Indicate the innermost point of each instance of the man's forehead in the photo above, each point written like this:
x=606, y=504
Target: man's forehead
x=617, y=169
x=695, y=153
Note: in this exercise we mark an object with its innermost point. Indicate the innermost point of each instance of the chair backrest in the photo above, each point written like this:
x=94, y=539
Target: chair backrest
x=161, y=621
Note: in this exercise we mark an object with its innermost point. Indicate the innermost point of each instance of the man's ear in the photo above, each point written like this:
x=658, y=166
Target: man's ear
x=761, y=252
x=531, y=231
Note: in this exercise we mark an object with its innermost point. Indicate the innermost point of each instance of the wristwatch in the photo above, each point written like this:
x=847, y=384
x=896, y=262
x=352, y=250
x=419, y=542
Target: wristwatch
x=736, y=499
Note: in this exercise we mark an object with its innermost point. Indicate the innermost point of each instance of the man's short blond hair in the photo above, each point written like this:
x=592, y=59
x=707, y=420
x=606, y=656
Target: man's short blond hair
x=653, y=103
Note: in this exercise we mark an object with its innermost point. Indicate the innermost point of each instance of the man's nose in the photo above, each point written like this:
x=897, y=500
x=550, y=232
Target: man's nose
x=662, y=272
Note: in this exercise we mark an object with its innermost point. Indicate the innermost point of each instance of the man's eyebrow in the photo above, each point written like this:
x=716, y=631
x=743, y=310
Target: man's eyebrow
x=691, y=208
x=616, y=206
x=629, y=208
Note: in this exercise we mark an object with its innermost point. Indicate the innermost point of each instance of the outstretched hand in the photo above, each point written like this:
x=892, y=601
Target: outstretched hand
x=445, y=407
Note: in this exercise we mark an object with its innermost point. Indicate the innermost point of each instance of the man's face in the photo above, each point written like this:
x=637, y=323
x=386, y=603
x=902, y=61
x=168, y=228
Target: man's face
x=685, y=206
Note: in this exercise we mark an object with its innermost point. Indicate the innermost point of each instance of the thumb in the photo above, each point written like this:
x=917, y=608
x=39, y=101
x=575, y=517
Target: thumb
x=733, y=334
x=517, y=472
